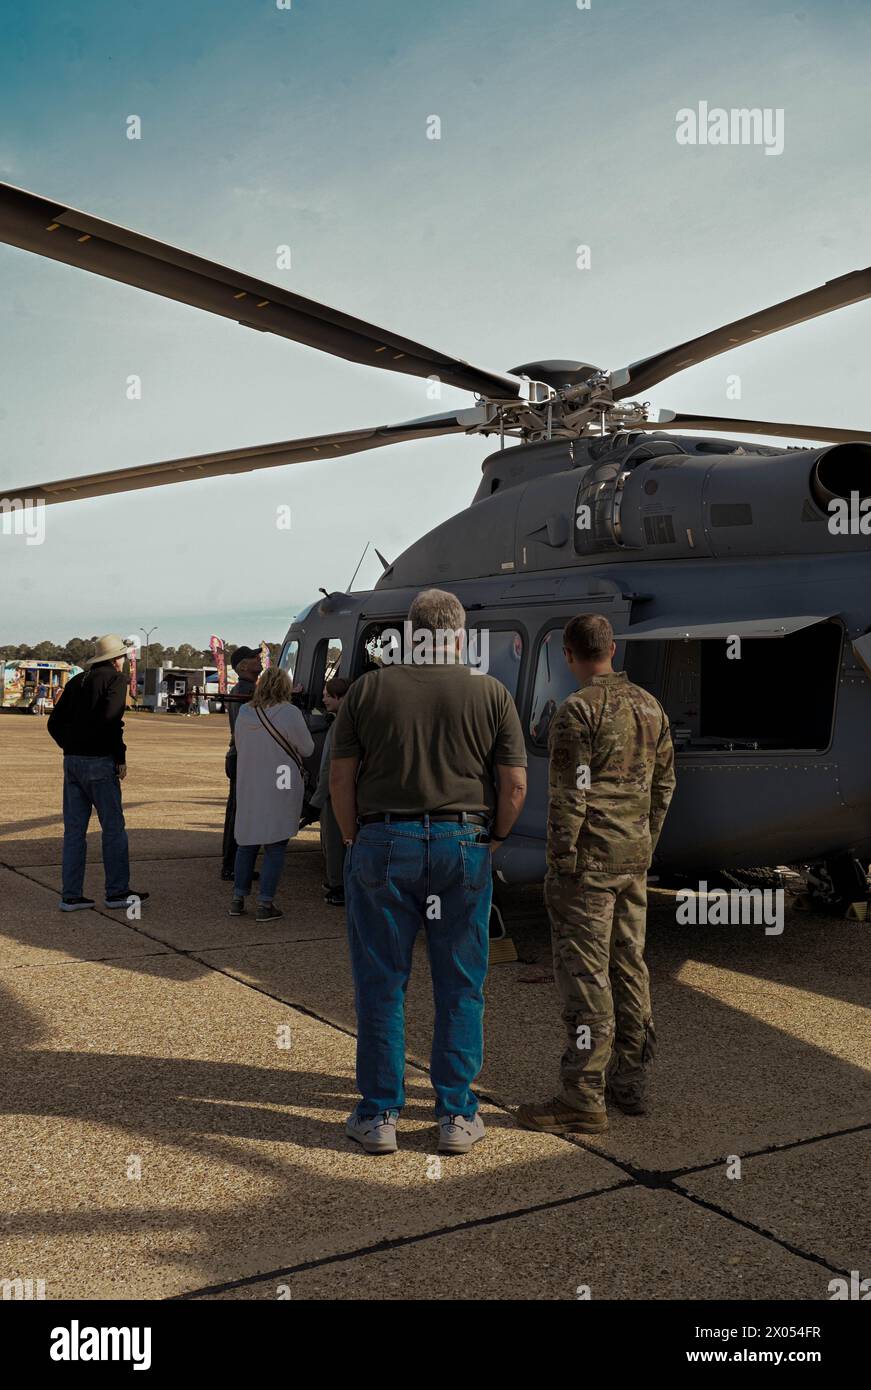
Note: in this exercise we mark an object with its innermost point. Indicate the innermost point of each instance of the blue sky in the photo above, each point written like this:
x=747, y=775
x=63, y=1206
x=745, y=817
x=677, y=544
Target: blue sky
x=307, y=127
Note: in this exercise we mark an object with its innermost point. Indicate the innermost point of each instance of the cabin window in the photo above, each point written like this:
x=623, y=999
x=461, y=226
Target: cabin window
x=327, y=660
x=369, y=650
x=497, y=651
x=553, y=684
x=289, y=654
x=780, y=693
x=501, y=657
x=334, y=658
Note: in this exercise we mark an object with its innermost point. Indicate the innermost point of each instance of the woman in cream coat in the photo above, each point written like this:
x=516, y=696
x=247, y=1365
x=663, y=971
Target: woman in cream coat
x=269, y=787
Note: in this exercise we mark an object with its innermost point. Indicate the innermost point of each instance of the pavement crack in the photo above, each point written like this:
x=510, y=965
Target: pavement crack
x=107, y=916
x=395, y=1243
x=747, y=1225
x=277, y=998
x=775, y=1148
x=666, y=1180
x=84, y=960
x=662, y=1177
x=252, y=945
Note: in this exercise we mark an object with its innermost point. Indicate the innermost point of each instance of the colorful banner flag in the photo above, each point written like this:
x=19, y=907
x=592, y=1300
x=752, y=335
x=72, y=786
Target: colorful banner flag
x=264, y=656
x=217, y=646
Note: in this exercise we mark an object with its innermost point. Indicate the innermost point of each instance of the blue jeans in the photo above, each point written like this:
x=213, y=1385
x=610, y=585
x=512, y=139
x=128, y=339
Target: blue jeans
x=270, y=870
x=401, y=876
x=94, y=783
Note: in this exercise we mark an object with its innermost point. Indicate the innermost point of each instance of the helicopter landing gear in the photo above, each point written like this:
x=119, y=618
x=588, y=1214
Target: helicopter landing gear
x=502, y=948
x=838, y=886
x=497, y=931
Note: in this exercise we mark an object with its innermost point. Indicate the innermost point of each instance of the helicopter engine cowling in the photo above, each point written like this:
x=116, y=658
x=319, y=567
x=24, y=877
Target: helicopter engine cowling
x=733, y=504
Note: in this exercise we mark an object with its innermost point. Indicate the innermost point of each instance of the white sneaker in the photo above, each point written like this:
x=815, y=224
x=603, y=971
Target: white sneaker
x=377, y=1133
x=457, y=1133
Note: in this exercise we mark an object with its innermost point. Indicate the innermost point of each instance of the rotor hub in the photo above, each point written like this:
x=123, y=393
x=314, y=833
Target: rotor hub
x=558, y=374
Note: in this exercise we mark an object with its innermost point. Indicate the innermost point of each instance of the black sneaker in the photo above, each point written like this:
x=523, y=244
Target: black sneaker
x=268, y=912
x=124, y=899
x=237, y=907
x=227, y=875
x=76, y=904
x=335, y=897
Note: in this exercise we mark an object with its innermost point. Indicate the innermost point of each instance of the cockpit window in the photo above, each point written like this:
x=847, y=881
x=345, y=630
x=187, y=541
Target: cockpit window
x=289, y=654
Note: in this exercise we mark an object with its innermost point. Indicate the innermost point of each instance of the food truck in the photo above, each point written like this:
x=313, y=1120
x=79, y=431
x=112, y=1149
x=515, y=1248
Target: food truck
x=31, y=686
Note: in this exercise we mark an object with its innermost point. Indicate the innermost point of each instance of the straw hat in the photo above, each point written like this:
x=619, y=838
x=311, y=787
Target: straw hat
x=108, y=648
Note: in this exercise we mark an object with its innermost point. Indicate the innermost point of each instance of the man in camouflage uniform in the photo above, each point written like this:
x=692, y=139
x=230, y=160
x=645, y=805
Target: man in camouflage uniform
x=611, y=781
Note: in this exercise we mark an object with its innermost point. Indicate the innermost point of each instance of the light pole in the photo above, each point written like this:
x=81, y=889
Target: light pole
x=145, y=672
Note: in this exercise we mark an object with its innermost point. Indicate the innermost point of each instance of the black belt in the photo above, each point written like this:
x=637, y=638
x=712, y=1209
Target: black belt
x=476, y=817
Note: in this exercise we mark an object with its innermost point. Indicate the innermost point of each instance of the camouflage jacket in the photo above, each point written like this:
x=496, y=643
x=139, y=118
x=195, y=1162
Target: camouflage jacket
x=611, y=778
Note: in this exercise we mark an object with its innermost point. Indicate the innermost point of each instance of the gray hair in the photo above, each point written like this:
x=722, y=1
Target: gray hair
x=438, y=611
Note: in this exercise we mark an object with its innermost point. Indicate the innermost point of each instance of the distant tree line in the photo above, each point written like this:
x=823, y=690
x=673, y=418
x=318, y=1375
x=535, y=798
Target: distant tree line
x=79, y=649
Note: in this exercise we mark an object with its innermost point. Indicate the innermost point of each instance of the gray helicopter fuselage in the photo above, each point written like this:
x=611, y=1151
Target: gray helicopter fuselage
x=735, y=600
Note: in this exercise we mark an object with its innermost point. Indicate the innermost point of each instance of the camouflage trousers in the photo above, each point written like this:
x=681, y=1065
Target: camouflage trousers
x=597, y=929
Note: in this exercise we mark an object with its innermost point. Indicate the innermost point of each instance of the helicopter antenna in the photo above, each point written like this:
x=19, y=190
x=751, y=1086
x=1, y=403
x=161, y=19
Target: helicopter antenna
x=359, y=563
x=385, y=563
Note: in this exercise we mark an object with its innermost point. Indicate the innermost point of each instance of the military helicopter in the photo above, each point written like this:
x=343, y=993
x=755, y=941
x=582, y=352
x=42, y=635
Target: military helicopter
x=735, y=598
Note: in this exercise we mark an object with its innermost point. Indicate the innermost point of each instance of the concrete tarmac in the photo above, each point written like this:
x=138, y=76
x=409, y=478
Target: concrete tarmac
x=174, y=1088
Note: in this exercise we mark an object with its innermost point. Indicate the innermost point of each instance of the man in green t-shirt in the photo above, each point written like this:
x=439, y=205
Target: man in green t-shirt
x=428, y=775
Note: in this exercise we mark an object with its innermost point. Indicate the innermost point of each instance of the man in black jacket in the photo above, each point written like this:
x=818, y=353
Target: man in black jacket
x=88, y=724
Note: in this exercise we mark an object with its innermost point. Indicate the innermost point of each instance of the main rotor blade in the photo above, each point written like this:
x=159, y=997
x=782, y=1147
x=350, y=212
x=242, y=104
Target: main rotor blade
x=834, y=294
x=318, y=446
x=51, y=229
x=726, y=425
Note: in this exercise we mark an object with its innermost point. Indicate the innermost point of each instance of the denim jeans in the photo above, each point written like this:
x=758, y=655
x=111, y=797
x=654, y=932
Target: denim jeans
x=89, y=783
x=401, y=876
x=270, y=870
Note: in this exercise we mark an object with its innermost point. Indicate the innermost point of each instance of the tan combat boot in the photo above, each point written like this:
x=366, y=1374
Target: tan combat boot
x=555, y=1117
